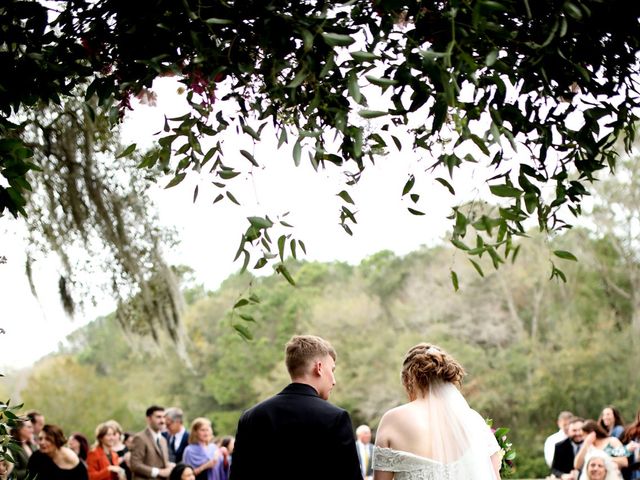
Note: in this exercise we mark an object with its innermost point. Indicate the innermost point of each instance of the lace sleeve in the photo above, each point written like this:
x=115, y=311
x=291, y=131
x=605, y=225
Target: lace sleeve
x=385, y=459
x=389, y=460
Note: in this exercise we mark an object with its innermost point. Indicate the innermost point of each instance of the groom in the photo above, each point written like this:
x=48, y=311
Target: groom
x=297, y=433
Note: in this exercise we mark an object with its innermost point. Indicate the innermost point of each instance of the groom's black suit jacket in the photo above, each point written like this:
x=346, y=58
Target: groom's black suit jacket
x=295, y=435
x=562, y=458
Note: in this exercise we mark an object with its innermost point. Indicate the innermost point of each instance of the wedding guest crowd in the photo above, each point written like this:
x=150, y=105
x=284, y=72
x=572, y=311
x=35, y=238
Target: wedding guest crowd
x=163, y=450
x=595, y=449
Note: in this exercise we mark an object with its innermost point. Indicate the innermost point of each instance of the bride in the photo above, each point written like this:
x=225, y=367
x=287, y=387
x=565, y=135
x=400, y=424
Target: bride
x=436, y=436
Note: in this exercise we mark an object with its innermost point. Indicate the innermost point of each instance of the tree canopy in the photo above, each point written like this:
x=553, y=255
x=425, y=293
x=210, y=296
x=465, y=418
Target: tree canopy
x=538, y=92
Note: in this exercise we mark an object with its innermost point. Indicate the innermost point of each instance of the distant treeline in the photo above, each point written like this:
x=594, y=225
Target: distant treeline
x=532, y=346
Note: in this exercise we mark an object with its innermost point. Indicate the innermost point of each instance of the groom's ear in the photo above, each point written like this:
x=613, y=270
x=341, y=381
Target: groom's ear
x=317, y=368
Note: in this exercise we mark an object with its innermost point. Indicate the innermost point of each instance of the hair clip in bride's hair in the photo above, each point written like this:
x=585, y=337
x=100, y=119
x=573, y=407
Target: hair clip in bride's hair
x=432, y=350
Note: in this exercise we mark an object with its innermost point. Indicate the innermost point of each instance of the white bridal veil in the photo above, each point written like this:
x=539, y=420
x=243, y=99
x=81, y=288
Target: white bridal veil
x=458, y=436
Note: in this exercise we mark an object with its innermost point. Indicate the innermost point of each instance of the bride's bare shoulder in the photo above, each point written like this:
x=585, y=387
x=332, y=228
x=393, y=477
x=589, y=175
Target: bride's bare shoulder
x=394, y=415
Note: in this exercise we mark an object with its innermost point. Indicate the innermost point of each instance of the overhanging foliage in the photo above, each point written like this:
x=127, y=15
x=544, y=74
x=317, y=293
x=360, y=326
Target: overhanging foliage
x=468, y=80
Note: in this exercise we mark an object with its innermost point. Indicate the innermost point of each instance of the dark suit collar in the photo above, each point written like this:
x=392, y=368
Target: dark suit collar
x=300, y=389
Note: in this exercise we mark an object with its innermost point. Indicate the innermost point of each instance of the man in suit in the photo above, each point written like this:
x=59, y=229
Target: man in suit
x=298, y=433
x=364, y=447
x=176, y=435
x=150, y=452
x=560, y=435
x=566, y=450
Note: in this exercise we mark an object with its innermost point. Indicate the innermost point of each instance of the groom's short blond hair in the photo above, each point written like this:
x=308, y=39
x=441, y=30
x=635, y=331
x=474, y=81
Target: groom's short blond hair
x=301, y=350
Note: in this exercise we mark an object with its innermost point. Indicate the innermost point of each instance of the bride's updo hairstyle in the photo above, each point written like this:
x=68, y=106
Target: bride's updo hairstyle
x=425, y=364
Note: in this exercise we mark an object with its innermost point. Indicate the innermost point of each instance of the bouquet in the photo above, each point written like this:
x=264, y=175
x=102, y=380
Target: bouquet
x=507, y=466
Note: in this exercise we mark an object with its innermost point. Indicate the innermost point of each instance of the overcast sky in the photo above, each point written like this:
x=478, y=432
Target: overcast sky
x=209, y=234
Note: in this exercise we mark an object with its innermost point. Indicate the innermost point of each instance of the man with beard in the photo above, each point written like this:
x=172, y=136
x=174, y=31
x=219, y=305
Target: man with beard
x=566, y=450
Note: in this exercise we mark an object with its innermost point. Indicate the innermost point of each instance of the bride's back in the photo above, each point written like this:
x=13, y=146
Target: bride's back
x=408, y=428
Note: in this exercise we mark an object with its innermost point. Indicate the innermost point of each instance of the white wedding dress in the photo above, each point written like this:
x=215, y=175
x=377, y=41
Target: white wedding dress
x=461, y=443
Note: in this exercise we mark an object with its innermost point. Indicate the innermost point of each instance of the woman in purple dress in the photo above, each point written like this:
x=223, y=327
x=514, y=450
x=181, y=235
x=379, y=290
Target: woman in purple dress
x=202, y=454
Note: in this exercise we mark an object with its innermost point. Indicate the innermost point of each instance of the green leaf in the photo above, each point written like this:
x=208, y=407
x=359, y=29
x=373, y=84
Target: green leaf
x=381, y=82
x=556, y=273
x=565, y=255
x=372, y=113
x=409, y=185
x=491, y=58
x=298, y=79
x=281, y=240
x=260, y=222
x=247, y=129
x=127, y=151
x=297, y=151
x=477, y=267
x=232, y=198
x=572, y=10
x=244, y=332
x=430, y=55
x=362, y=56
x=459, y=244
x=302, y=246
x=245, y=262
x=346, y=197
x=247, y=318
x=292, y=246
x=337, y=40
x=414, y=212
x=241, y=303
x=446, y=184
x=282, y=270
x=218, y=21
x=505, y=191
x=283, y=137
x=480, y=144
x=354, y=88
x=249, y=157
x=176, y=180
x=195, y=194
x=228, y=174
x=454, y=280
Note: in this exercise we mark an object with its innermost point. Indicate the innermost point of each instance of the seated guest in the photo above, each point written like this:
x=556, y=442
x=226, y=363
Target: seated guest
x=79, y=444
x=202, y=454
x=54, y=461
x=103, y=462
x=182, y=472
x=23, y=434
x=597, y=440
x=566, y=451
x=611, y=420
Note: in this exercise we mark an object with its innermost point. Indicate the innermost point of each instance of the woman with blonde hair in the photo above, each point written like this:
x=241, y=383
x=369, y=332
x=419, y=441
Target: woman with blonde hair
x=436, y=435
x=202, y=454
x=103, y=462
